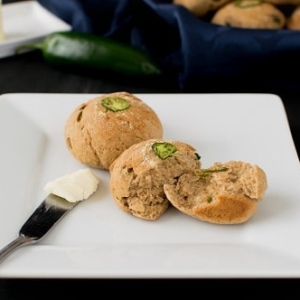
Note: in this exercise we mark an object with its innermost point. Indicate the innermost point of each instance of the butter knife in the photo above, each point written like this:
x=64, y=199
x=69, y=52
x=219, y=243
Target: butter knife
x=46, y=215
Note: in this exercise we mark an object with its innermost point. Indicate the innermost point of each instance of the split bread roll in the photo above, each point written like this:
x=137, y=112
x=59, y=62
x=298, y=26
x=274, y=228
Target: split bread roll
x=98, y=131
x=139, y=174
x=149, y=176
x=226, y=193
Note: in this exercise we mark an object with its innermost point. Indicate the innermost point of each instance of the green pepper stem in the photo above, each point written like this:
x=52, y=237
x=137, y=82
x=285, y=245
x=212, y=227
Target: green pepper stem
x=37, y=46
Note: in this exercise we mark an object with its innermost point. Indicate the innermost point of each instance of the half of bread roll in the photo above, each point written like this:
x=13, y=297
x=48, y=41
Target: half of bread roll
x=140, y=172
x=226, y=193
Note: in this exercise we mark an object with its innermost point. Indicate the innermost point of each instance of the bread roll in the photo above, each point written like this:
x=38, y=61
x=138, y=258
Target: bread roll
x=98, y=131
x=293, y=22
x=249, y=14
x=226, y=193
x=200, y=8
x=140, y=172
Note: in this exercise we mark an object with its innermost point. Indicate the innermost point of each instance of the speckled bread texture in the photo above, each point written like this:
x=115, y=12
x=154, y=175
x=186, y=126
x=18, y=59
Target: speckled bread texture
x=293, y=22
x=138, y=176
x=96, y=136
x=225, y=197
x=243, y=15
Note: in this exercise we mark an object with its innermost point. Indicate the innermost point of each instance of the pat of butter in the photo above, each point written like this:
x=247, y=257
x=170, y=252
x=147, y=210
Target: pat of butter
x=75, y=186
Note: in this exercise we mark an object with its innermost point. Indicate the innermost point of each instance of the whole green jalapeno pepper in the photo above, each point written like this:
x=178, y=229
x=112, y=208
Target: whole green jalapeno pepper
x=95, y=53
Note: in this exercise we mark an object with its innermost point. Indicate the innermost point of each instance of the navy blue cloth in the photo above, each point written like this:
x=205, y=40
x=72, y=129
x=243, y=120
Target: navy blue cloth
x=195, y=50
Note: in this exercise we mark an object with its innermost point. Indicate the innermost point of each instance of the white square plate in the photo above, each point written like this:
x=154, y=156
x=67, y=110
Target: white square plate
x=98, y=240
x=27, y=22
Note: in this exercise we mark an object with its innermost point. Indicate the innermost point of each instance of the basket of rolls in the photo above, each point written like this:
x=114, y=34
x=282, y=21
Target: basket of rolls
x=255, y=14
x=202, y=45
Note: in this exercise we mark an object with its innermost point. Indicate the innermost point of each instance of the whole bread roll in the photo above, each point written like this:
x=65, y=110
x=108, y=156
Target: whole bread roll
x=98, y=131
x=225, y=193
x=200, y=8
x=140, y=172
x=293, y=21
x=253, y=14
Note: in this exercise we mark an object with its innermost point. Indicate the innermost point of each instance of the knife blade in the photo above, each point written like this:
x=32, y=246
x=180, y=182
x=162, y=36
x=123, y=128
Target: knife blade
x=42, y=220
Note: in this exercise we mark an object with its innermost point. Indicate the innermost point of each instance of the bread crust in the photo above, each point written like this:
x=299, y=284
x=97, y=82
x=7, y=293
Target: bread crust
x=283, y=2
x=96, y=136
x=138, y=176
x=229, y=197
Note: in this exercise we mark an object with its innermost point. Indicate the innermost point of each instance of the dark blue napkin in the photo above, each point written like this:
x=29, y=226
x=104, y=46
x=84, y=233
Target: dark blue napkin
x=194, y=50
